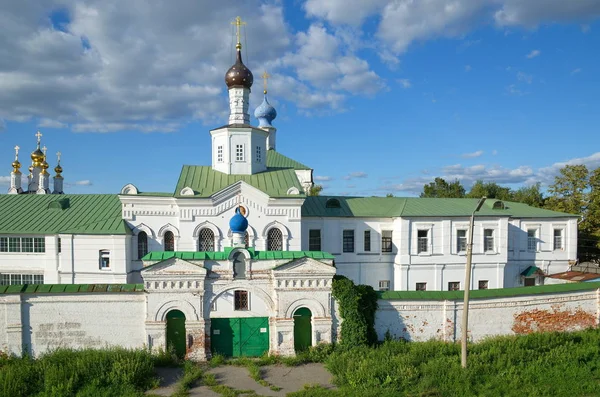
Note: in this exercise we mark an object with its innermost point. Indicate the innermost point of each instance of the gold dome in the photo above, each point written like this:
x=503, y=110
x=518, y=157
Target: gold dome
x=58, y=169
x=37, y=157
x=16, y=165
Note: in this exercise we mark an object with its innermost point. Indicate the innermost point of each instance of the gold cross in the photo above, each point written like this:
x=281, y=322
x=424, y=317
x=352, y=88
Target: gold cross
x=58, y=154
x=265, y=77
x=39, y=136
x=238, y=23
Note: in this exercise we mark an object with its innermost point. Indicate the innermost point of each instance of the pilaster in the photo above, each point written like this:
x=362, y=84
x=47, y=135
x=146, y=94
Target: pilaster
x=282, y=337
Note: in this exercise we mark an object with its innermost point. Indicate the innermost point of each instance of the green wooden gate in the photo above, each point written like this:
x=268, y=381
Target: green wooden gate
x=235, y=337
x=176, y=332
x=302, y=329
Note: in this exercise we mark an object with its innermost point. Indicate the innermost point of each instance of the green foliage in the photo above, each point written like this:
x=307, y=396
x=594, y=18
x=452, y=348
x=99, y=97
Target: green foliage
x=358, y=304
x=490, y=190
x=442, y=189
x=530, y=195
x=86, y=372
x=191, y=374
x=315, y=190
x=540, y=364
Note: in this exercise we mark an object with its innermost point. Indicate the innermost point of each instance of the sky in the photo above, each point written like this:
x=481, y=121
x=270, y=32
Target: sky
x=377, y=96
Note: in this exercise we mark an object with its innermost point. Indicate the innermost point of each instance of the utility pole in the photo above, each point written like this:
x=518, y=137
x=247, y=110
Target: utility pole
x=467, y=287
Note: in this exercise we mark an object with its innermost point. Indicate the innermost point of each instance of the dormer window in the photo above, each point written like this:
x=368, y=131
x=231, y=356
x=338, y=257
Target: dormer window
x=498, y=205
x=332, y=203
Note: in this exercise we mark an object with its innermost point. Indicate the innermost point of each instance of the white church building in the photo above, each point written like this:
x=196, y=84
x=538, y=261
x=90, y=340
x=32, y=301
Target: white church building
x=239, y=245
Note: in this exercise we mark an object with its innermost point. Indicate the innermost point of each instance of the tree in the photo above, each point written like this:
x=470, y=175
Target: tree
x=568, y=193
x=315, y=190
x=530, y=195
x=490, y=190
x=389, y=195
x=442, y=189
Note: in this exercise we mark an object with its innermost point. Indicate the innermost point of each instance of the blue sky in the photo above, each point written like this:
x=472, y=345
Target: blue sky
x=378, y=97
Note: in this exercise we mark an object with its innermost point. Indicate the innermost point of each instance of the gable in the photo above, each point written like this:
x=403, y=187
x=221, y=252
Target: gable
x=304, y=266
x=174, y=267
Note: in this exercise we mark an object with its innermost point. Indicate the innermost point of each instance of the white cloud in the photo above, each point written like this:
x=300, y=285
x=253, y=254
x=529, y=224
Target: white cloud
x=48, y=123
x=576, y=71
x=527, y=78
x=478, y=153
x=533, y=54
x=343, y=11
x=468, y=68
x=4, y=180
x=358, y=174
x=405, y=83
x=85, y=182
x=512, y=89
x=494, y=152
x=532, y=13
x=546, y=174
x=320, y=178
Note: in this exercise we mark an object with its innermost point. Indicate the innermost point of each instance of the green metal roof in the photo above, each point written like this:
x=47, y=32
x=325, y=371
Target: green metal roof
x=69, y=288
x=278, y=160
x=316, y=206
x=223, y=255
x=205, y=181
x=488, y=293
x=531, y=270
x=66, y=213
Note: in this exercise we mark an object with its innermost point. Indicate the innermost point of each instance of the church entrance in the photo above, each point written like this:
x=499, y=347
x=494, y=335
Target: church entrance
x=302, y=329
x=240, y=337
x=176, y=332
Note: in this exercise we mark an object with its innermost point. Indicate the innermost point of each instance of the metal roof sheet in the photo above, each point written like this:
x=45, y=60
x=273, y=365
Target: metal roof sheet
x=68, y=213
x=223, y=255
x=278, y=160
x=384, y=207
x=69, y=288
x=488, y=293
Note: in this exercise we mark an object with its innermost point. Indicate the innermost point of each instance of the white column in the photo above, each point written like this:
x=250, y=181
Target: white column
x=43, y=183
x=238, y=105
x=271, y=138
x=15, y=183
x=58, y=185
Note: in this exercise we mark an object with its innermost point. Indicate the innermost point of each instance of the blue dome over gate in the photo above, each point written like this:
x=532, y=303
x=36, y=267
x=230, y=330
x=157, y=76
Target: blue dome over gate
x=238, y=223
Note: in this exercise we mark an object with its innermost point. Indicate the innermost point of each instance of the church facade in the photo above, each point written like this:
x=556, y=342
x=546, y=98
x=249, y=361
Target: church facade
x=239, y=245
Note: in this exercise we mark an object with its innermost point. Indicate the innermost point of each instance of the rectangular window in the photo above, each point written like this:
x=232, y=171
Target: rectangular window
x=27, y=244
x=39, y=244
x=483, y=284
x=16, y=279
x=558, y=239
x=348, y=241
x=421, y=287
x=219, y=154
x=422, y=241
x=488, y=240
x=461, y=240
x=453, y=286
x=14, y=244
x=384, y=285
x=258, y=154
x=104, y=259
x=239, y=152
x=530, y=281
x=314, y=240
x=28, y=279
x=5, y=279
x=367, y=241
x=241, y=300
x=3, y=244
x=59, y=246
x=532, y=240
x=386, y=241
x=38, y=279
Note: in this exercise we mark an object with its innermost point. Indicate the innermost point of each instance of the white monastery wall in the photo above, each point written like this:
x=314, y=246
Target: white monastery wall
x=425, y=320
x=41, y=322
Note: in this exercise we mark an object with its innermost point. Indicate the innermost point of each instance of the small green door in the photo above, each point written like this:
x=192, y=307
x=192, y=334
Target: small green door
x=302, y=329
x=235, y=337
x=176, y=332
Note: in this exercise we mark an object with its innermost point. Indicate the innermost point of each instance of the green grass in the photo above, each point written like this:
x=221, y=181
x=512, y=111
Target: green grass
x=65, y=372
x=191, y=374
x=543, y=364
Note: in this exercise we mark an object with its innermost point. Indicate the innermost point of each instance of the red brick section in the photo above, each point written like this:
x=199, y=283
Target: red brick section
x=553, y=320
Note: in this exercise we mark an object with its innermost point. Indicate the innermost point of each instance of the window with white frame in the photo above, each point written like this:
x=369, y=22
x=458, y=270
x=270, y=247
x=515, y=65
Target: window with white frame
x=142, y=244
x=461, y=240
x=367, y=241
x=386, y=241
x=421, y=287
x=532, y=240
x=483, y=284
x=314, y=240
x=558, y=239
x=20, y=279
x=453, y=286
x=258, y=154
x=206, y=240
x=104, y=258
x=219, y=154
x=239, y=152
x=348, y=240
x=422, y=241
x=274, y=240
x=384, y=285
x=488, y=240
x=23, y=244
x=169, y=241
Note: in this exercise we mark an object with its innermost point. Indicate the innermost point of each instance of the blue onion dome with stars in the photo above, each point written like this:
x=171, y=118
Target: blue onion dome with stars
x=265, y=113
x=238, y=223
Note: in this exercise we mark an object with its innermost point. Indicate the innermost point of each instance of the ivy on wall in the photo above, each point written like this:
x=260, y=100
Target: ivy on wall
x=357, y=304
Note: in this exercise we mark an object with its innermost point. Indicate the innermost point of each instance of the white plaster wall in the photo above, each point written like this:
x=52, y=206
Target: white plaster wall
x=223, y=306
x=82, y=320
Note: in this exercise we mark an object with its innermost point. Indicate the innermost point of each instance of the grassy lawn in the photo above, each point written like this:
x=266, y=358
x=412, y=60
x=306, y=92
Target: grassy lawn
x=546, y=364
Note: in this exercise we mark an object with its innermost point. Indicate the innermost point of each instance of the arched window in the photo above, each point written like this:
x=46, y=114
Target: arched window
x=142, y=244
x=206, y=240
x=169, y=241
x=239, y=266
x=274, y=240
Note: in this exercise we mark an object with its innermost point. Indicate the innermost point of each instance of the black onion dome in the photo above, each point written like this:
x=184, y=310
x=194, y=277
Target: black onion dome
x=239, y=75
